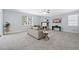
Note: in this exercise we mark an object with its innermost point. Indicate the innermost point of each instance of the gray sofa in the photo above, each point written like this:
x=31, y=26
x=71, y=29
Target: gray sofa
x=35, y=32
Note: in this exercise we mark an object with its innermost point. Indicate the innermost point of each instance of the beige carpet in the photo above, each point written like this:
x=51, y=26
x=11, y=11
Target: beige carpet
x=57, y=41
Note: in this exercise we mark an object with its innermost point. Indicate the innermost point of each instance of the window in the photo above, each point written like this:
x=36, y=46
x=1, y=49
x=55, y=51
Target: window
x=73, y=20
x=26, y=20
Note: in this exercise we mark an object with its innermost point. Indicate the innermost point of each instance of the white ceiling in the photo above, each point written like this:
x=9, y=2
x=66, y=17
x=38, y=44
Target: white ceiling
x=53, y=11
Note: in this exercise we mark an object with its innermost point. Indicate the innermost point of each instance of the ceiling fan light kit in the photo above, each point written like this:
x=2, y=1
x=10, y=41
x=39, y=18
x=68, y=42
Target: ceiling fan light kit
x=45, y=11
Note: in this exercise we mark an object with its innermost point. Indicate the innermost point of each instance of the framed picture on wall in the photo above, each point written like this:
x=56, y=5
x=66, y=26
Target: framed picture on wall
x=57, y=20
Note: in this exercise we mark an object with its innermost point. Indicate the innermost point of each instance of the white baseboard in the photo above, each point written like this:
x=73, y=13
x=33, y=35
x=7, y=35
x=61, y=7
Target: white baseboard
x=70, y=31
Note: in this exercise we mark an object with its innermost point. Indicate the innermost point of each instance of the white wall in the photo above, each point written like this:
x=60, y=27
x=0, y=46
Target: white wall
x=36, y=20
x=65, y=26
x=15, y=19
x=1, y=22
x=64, y=23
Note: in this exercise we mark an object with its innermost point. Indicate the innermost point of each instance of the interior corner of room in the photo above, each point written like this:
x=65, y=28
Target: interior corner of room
x=16, y=18
x=57, y=21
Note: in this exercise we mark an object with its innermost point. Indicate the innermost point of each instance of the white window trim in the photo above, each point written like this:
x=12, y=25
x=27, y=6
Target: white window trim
x=71, y=18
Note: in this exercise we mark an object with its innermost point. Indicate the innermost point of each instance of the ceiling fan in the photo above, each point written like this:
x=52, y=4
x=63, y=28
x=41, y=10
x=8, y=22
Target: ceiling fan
x=45, y=11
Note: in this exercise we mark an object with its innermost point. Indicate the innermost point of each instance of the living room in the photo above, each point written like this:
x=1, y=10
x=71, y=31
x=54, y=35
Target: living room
x=23, y=24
